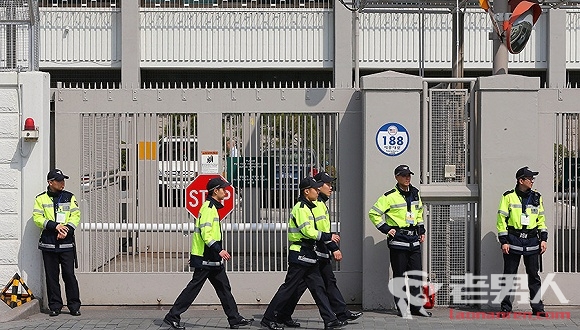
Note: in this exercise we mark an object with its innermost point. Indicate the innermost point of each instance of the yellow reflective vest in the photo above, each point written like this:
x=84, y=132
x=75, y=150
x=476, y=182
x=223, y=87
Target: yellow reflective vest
x=523, y=239
x=324, y=249
x=303, y=234
x=206, y=243
x=402, y=211
x=50, y=207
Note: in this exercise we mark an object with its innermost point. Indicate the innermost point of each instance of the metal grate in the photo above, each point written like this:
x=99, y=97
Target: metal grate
x=449, y=229
x=266, y=156
x=243, y=4
x=19, y=35
x=135, y=168
x=448, y=133
x=80, y=3
x=566, y=174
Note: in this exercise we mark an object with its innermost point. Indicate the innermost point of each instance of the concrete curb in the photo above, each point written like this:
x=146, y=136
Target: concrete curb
x=18, y=313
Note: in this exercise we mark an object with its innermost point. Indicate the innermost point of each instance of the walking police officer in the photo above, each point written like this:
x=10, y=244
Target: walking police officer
x=302, y=260
x=522, y=231
x=207, y=256
x=324, y=251
x=403, y=225
x=57, y=213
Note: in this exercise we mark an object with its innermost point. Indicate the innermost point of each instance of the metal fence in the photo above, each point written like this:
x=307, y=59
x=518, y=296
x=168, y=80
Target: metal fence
x=79, y=3
x=566, y=174
x=451, y=238
x=19, y=26
x=136, y=166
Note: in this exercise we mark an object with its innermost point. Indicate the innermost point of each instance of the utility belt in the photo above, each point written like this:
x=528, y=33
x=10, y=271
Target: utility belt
x=409, y=231
x=309, y=244
x=523, y=233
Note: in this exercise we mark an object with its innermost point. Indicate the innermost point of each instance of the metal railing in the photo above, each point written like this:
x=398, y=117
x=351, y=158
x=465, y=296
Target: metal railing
x=19, y=38
x=566, y=220
x=136, y=167
x=236, y=4
x=79, y=3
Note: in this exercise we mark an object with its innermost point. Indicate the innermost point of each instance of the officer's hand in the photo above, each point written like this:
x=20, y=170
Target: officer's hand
x=543, y=247
x=60, y=236
x=335, y=238
x=421, y=238
x=392, y=232
x=505, y=248
x=337, y=255
x=61, y=229
x=225, y=255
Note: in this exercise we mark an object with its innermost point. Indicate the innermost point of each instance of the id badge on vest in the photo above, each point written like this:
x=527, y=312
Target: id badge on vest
x=525, y=219
x=410, y=218
x=60, y=217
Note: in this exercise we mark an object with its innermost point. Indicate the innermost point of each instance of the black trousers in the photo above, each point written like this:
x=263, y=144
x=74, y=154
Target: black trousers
x=335, y=298
x=220, y=282
x=53, y=262
x=511, y=263
x=402, y=261
x=297, y=274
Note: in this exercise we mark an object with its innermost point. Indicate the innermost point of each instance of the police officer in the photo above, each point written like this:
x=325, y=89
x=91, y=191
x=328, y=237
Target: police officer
x=207, y=257
x=324, y=251
x=403, y=225
x=57, y=213
x=302, y=260
x=522, y=231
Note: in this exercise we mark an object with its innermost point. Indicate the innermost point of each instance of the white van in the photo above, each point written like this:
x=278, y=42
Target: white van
x=177, y=163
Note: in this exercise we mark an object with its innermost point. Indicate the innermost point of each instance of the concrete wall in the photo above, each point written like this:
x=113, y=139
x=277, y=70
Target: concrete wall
x=388, y=97
x=23, y=168
x=508, y=139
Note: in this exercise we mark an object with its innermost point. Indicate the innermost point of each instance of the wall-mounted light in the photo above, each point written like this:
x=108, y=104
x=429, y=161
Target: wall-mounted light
x=30, y=132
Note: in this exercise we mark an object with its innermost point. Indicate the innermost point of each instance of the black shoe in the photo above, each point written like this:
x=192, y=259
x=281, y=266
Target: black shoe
x=271, y=325
x=173, y=324
x=540, y=313
x=421, y=312
x=75, y=313
x=242, y=322
x=55, y=312
x=291, y=323
x=354, y=315
x=336, y=324
x=503, y=313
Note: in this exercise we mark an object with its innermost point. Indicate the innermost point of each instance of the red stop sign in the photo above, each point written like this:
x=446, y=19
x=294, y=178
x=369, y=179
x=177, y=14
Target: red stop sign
x=196, y=194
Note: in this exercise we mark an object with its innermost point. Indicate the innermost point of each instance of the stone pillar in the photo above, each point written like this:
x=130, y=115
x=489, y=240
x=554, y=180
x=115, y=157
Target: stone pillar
x=388, y=97
x=508, y=122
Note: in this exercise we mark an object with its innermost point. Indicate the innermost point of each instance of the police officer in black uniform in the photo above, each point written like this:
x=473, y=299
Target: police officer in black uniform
x=522, y=231
x=302, y=260
x=57, y=213
x=403, y=212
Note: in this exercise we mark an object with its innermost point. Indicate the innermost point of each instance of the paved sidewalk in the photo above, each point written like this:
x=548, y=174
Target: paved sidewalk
x=212, y=317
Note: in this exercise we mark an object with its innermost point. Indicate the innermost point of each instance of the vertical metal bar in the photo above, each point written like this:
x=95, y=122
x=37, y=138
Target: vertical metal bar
x=425, y=134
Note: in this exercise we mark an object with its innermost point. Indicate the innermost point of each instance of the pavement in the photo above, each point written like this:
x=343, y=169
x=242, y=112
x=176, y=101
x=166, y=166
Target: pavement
x=212, y=317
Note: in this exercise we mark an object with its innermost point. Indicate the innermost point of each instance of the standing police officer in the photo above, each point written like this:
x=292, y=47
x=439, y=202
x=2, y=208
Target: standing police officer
x=207, y=256
x=324, y=250
x=403, y=211
x=57, y=213
x=302, y=260
x=522, y=231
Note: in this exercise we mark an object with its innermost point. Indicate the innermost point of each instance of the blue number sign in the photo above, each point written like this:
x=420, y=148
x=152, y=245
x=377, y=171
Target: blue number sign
x=392, y=139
